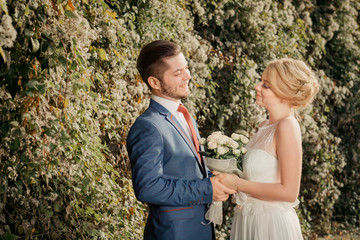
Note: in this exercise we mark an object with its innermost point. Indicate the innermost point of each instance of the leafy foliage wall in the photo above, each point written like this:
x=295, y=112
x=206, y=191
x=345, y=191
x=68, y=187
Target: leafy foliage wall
x=70, y=92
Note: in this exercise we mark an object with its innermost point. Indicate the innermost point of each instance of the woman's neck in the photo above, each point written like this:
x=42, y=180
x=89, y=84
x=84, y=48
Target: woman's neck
x=277, y=114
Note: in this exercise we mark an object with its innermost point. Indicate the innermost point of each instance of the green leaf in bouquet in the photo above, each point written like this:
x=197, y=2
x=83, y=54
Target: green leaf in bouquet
x=204, y=154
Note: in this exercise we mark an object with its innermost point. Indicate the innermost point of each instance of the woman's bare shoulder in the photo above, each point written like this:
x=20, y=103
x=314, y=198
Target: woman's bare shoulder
x=289, y=126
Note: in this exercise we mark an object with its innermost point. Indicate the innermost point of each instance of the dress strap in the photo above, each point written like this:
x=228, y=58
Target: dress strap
x=264, y=139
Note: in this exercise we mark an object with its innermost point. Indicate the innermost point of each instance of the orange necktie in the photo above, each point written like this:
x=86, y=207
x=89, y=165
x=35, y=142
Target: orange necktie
x=184, y=111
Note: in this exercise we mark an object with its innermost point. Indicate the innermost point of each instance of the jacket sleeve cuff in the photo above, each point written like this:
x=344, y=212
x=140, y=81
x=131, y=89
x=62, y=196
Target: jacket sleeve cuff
x=209, y=192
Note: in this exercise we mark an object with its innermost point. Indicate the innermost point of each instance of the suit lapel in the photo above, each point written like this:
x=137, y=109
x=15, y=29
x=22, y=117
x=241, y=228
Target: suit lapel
x=175, y=123
x=178, y=127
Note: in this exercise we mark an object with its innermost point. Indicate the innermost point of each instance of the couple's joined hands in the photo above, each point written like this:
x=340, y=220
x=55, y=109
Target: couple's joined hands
x=223, y=185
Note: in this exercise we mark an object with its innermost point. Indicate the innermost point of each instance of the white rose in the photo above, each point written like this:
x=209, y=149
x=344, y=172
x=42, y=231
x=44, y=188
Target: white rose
x=222, y=140
x=235, y=136
x=244, y=139
x=233, y=144
x=243, y=150
x=216, y=133
x=202, y=141
x=236, y=152
x=212, y=145
x=212, y=138
x=222, y=150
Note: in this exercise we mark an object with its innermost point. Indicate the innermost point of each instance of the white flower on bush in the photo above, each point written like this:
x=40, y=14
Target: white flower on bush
x=7, y=32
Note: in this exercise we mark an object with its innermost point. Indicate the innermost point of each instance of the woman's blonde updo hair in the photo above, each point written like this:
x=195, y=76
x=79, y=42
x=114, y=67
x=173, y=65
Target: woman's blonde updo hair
x=293, y=81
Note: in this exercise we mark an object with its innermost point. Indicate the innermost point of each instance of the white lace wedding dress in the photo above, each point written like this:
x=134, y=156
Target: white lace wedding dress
x=258, y=219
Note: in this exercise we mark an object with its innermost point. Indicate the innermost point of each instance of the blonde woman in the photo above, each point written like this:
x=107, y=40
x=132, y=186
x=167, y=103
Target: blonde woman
x=272, y=165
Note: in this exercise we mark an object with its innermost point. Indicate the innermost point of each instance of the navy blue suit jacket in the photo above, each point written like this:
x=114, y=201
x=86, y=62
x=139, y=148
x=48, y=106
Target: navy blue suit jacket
x=168, y=175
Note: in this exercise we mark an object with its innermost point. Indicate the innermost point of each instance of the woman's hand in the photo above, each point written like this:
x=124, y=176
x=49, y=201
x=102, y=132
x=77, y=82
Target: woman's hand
x=229, y=180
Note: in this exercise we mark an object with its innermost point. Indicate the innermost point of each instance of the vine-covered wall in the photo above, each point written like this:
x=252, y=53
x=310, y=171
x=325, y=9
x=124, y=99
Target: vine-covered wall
x=70, y=91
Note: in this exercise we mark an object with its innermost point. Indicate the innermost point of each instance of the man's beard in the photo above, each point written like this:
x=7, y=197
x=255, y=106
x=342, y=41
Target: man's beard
x=167, y=92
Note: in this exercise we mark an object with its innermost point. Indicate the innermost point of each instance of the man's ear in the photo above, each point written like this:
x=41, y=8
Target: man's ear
x=154, y=83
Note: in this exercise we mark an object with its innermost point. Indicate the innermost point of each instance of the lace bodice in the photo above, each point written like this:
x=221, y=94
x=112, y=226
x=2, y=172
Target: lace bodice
x=260, y=163
x=264, y=139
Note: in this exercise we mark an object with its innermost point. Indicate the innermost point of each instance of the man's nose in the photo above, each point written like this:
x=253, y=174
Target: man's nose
x=187, y=75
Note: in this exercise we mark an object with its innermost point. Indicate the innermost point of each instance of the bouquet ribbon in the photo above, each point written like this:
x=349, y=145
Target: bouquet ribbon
x=215, y=213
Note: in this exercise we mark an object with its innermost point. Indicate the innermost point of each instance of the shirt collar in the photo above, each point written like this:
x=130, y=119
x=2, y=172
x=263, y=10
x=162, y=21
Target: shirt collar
x=166, y=103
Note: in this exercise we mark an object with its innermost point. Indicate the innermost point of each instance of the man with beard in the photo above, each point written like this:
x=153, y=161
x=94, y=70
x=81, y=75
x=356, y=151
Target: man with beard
x=167, y=171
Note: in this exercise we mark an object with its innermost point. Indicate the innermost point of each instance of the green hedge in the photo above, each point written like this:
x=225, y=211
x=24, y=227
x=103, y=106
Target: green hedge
x=70, y=92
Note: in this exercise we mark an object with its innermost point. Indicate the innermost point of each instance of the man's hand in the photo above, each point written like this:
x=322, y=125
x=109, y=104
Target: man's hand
x=220, y=191
x=228, y=180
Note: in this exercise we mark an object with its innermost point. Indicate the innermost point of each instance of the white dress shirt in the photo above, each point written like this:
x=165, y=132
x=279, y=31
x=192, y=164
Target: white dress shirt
x=173, y=108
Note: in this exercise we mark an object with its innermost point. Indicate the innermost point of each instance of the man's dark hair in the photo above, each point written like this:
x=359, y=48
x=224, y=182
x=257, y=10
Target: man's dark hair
x=151, y=59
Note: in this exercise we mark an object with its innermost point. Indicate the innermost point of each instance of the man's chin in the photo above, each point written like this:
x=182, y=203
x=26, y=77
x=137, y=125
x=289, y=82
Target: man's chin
x=173, y=97
x=184, y=96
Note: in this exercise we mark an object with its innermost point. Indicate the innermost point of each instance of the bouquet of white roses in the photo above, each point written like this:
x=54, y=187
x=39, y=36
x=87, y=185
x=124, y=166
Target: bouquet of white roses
x=223, y=154
x=220, y=146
